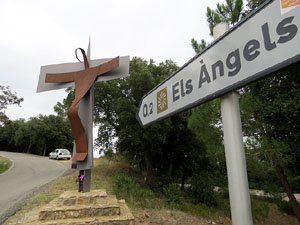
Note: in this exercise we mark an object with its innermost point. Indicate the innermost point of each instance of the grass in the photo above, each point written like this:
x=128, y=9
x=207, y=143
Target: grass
x=126, y=183
x=4, y=164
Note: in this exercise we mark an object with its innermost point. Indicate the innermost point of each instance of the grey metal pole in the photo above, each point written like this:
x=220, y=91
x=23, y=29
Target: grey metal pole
x=234, y=152
x=85, y=112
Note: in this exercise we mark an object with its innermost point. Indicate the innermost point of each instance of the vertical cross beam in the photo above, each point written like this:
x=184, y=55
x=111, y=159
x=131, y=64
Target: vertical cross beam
x=85, y=113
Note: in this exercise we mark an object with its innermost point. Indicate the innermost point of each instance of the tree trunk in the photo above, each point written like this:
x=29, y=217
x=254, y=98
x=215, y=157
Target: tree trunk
x=28, y=148
x=45, y=150
x=149, y=168
x=289, y=191
x=183, y=181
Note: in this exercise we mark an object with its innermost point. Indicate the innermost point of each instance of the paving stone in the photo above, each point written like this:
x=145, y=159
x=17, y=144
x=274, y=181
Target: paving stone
x=69, y=201
x=83, y=201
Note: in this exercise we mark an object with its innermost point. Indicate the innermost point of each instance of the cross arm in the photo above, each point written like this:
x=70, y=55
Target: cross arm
x=69, y=77
x=118, y=72
x=59, y=77
x=105, y=67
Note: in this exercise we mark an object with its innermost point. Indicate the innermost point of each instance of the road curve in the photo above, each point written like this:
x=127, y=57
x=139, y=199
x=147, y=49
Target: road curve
x=25, y=178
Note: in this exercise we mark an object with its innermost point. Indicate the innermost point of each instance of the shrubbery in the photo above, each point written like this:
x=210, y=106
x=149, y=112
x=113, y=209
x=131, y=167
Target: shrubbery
x=285, y=207
x=202, y=191
x=126, y=186
x=260, y=210
x=172, y=193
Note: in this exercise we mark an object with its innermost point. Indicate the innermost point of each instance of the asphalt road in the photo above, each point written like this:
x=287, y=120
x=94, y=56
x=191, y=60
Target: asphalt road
x=28, y=176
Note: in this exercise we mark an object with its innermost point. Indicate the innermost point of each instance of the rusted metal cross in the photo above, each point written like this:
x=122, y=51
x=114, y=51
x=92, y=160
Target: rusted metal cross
x=80, y=112
x=84, y=80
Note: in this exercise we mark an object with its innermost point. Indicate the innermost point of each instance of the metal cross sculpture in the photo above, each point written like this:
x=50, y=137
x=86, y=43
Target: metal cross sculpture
x=80, y=113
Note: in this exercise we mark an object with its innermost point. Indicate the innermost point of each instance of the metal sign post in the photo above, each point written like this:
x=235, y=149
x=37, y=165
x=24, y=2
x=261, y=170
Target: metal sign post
x=234, y=152
x=239, y=194
x=80, y=113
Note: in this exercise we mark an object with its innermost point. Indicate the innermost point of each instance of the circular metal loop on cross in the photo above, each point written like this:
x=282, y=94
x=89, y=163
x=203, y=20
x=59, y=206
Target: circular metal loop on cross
x=86, y=63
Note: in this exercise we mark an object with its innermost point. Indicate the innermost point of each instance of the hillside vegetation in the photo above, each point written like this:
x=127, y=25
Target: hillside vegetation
x=152, y=206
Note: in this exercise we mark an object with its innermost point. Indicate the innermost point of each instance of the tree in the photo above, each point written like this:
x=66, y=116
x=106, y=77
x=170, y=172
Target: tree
x=115, y=110
x=198, y=47
x=7, y=133
x=275, y=112
x=62, y=108
x=271, y=120
x=184, y=154
x=50, y=132
x=7, y=98
x=229, y=13
x=205, y=121
x=253, y=4
x=167, y=151
x=39, y=135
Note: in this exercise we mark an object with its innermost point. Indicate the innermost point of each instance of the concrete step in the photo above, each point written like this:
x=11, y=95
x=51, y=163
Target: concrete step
x=72, y=204
x=125, y=218
x=109, y=208
x=93, y=210
x=71, y=198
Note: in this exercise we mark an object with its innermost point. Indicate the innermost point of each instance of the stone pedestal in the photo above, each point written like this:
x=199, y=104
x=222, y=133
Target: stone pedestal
x=92, y=208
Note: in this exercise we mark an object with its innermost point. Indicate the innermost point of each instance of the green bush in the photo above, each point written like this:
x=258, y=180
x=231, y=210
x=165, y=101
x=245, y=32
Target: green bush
x=162, y=181
x=126, y=187
x=260, y=210
x=272, y=189
x=224, y=193
x=172, y=193
x=202, y=191
x=295, y=183
x=285, y=207
x=223, y=203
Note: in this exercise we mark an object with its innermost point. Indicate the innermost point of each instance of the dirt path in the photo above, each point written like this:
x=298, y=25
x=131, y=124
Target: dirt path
x=174, y=217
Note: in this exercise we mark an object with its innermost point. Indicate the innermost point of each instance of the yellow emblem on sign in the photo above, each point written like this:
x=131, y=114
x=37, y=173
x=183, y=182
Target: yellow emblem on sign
x=162, y=100
x=289, y=3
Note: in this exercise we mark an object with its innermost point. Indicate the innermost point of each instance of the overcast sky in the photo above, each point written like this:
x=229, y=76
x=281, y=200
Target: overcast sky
x=36, y=33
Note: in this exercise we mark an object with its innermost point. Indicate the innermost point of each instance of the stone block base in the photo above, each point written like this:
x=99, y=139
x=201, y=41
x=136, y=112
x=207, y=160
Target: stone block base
x=77, y=208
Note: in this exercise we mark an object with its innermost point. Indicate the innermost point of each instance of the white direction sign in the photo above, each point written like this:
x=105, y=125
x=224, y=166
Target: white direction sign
x=265, y=41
